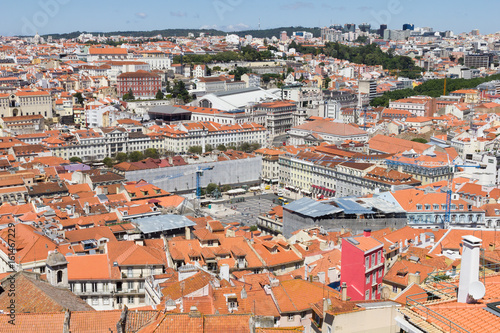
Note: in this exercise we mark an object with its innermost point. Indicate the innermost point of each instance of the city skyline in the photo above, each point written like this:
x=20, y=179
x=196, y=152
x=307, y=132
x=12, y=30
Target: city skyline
x=63, y=16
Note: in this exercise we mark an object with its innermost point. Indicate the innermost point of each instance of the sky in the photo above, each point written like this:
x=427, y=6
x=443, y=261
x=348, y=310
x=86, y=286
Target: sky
x=26, y=17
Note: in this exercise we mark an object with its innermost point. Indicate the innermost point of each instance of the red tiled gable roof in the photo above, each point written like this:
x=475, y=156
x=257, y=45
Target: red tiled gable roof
x=36, y=295
x=329, y=127
x=392, y=145
x=33, y=322
x=189, y=285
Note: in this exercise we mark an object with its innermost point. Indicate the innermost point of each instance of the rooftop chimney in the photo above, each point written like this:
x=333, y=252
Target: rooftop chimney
x=193, y=312
x=414, y=277
x=469, y=271
x=367, y=232
x=343, y=289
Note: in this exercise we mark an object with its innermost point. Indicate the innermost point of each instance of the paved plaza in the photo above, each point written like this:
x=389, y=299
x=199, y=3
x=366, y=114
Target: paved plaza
x=245, y=212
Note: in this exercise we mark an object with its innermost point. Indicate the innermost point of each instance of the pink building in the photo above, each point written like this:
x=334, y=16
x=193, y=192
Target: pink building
x=362, y=266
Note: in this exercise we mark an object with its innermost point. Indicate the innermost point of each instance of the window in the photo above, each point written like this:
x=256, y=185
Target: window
x=130, y=300
x=119, y=299
x=427, y=206
x=84, y=287
x=290, y=317
x=95, y=301
x=394, y=289
x=435, y=207
x=105, y=300
x=419, y=207
x=367, y=294
x=380, y=272
x=373, y=259
x=59, y=276
x=368, y=279
x=94, y=287
x=367, y=262
x=379, y=257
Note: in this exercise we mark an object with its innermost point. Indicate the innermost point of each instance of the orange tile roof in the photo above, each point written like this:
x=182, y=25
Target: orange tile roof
x=33, y=322
x=88, y=267
x=297, y=295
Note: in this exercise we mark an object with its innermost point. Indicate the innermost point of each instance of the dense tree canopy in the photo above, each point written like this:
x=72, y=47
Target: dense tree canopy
x=247, y=53
x=432, y=88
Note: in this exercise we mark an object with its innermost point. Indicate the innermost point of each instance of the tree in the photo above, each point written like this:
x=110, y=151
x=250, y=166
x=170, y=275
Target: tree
x=245, y=146
x=75, y=159
x=167, y=87
x=361, y=39
x=180, y=91
x=79, y=98
x=195, y=150
x=211, y=187
x=421, y=140
x=121, y=157
x=129, y=96
x=208, y=147
x=151, y=153
x=136, y=156
x=326, y=83
x=159, y=94
x=221, y=147
x=254, y=228
x=225, y=188
x=108, y=162
x=254, y=146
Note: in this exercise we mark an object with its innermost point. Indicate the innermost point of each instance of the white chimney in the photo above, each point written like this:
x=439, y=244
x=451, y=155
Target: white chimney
x=343, y=288
x=224, y=272
x=469, y=271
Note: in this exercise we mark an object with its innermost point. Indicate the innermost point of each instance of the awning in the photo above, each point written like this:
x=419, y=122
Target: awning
x=236, y=191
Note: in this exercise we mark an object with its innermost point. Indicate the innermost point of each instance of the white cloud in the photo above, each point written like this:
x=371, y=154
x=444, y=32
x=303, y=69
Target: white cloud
x=141, y=15
x=237, y=27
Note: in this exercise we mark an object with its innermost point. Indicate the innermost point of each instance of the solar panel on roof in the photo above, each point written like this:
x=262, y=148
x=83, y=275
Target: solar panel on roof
x=353, y=241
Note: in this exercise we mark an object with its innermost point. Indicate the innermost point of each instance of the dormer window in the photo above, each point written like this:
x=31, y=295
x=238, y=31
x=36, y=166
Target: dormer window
x=232, y=304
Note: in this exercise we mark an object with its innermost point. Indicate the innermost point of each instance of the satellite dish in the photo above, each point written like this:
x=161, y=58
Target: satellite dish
x=477, y=290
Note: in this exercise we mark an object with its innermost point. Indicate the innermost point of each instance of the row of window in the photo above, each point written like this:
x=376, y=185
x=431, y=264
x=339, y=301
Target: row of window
x=437, y=207
x=376, y=258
